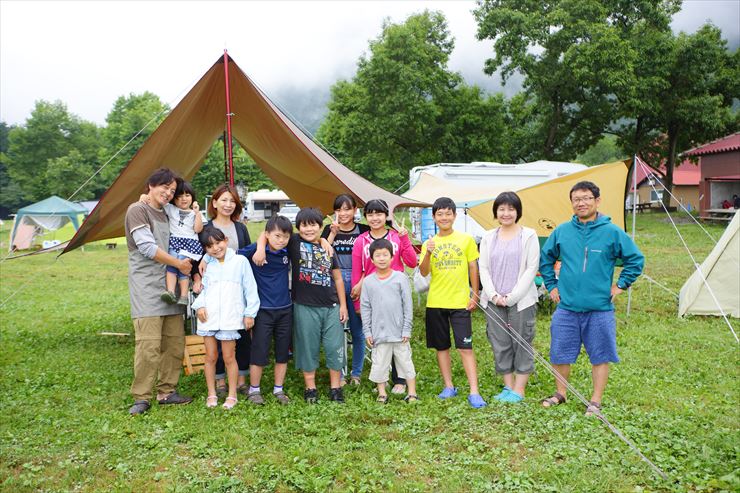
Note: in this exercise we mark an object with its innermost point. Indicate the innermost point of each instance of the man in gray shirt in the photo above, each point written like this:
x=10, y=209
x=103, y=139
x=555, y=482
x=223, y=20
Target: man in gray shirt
x=158, y=326
x=387, y=312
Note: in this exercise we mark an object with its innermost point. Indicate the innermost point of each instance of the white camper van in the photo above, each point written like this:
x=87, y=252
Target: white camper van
x=470, y=183
x=263, y=204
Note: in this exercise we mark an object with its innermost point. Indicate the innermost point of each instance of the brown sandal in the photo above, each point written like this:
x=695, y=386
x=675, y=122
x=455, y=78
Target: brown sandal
x=593, y=408
x=554, y=400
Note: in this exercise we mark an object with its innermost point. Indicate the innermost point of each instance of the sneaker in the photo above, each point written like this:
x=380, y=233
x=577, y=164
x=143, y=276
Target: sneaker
x=336, y=395
x=243, y=389
x=505, y=391
x=139, y=407
x=183, y=301
x=476, y=401
x=256, y=398
x=168, y=297
x=512, y=397
x=448, y=392
x=282, y=398
x=175, y=398
x=311, y=396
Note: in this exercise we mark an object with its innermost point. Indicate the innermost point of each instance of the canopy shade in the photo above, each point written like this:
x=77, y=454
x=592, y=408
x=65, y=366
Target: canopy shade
x=309, y=175
x=546, y=205
x=429, y=187
x=50, y=214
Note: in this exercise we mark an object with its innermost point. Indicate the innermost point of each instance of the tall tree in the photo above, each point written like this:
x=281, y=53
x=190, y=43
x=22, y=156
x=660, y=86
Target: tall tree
x=130, y=122
x=405, y=108
x=575, y=56
x=11, y=196
x=50, y=133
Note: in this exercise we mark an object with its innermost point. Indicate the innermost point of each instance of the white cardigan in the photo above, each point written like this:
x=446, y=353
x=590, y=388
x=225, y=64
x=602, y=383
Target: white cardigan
x=524, y=293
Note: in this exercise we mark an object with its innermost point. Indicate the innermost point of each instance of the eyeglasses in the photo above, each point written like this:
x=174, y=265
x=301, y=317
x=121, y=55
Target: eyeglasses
x=585, y=200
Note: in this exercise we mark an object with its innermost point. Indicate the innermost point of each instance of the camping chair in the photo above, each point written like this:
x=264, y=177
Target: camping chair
x=195, y=350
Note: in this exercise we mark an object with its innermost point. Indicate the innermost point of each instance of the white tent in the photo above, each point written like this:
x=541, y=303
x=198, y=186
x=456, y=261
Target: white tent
x=721, y=269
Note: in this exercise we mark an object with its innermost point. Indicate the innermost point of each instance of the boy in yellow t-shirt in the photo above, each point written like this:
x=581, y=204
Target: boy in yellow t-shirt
x=451, y=257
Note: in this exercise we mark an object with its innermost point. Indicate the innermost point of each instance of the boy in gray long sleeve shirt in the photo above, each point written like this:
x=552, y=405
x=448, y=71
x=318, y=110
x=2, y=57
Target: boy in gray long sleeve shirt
x=385, y=304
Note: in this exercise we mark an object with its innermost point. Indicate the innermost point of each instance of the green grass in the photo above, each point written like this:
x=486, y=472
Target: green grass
x=64, y=389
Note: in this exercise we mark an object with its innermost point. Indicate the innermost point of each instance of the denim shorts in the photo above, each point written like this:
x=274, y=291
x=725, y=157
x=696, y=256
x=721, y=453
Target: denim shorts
x=597, y=331
x=176, y=253
x=220, y=335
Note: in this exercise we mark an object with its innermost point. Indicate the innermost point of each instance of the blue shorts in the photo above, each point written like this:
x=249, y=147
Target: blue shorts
x=220, y=335
x=173, y=270
x=597, y=331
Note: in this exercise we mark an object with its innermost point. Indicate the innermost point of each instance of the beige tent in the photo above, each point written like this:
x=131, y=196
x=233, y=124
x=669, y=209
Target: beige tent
x=300, y=167
x=721, y=269
x=546, y=205
x=428, y=188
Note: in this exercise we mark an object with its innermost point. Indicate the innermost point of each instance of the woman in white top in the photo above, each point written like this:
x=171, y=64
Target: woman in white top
x=509, y=259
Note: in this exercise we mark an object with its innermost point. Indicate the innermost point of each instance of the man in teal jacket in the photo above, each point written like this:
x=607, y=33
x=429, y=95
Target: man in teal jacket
x=588, y=247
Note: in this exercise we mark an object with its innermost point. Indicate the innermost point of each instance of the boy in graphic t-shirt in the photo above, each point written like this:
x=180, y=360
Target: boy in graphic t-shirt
x=451, y=257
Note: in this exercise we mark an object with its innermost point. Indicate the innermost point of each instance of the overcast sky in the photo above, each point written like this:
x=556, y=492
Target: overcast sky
x=87, y=54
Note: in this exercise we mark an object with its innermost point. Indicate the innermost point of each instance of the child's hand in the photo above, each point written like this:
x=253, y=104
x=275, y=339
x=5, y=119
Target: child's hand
x=404, y=339
x=202, y=315
x=355, y=292
x=195, y=206
x=202, y=268
x=259, y=258
x=144, y=198
x=369, y=340
x=343, y=316
x=500, y=300
x=327, y=246
x=248, y=322
x=334, y=224
x=430, y=245
x=402, y=231
x=197, y=286
x=472, y=304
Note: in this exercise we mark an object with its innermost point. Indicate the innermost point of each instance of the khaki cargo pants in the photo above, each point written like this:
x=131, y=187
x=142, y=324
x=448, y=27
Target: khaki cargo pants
x=160, y=344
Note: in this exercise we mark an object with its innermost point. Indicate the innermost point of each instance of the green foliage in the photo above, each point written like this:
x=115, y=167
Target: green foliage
x=606, y=150
x=131, y=121
x=11, y=197
x=50, y=133
x=405, y=108
x=212, y=172
x=575, y=56
x=65, y=395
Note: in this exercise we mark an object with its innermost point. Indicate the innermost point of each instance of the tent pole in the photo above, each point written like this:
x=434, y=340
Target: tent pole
x=634, y=217
x=228, y=119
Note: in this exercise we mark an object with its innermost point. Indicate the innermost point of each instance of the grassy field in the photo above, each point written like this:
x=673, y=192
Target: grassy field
x=64, y=388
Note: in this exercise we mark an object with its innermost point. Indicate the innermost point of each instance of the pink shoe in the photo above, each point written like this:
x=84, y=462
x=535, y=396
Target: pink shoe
x=212, y=401
x=230, y=402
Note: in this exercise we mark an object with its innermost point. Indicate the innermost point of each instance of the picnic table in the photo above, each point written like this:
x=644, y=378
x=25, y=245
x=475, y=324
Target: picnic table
x=718, y=214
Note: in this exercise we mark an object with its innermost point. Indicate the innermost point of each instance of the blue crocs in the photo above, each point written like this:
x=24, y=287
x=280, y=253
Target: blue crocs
x=512, y=397
x=476, y=401
x=448, y=392
x=506, y=390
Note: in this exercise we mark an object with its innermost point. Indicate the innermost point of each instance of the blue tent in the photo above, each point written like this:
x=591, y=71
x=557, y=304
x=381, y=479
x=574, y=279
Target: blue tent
x=48, y=215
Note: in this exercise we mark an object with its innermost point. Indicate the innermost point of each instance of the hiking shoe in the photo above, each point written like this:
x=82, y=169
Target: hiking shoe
x=476, y=401
x=336, y=395
x=501, y=395
x=243, y=389
x=311, y=396
x=256, y=398
x=222, y=391
x=282, y=398
x=139, y=407
x=448, y=392
x=175, y=398
x=168, y=297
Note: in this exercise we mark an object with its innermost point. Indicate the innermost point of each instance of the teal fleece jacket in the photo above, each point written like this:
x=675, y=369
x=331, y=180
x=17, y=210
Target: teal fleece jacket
x=588, y=253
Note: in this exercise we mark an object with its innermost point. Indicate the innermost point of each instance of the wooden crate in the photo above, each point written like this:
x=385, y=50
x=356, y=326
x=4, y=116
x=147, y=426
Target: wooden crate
x=195, y=355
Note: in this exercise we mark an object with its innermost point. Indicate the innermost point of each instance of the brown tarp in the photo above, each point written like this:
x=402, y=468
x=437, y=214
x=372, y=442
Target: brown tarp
x=303, y=170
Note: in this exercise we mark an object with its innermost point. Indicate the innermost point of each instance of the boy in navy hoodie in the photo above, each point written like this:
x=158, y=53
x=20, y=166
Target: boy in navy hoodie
x=588, y=247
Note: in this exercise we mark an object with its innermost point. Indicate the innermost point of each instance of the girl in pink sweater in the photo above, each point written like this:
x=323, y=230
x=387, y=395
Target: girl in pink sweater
x=376, y=214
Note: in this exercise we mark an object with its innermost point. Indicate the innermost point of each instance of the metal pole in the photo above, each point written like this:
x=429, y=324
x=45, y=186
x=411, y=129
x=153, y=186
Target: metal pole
x=228, y=119
x=634, y=217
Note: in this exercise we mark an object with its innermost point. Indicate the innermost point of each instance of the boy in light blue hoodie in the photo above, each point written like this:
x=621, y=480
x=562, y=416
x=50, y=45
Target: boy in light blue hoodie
x=588, y=247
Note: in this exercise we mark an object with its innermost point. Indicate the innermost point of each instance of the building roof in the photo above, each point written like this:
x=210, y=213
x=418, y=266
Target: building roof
x=725, y=144
x=686, y=173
